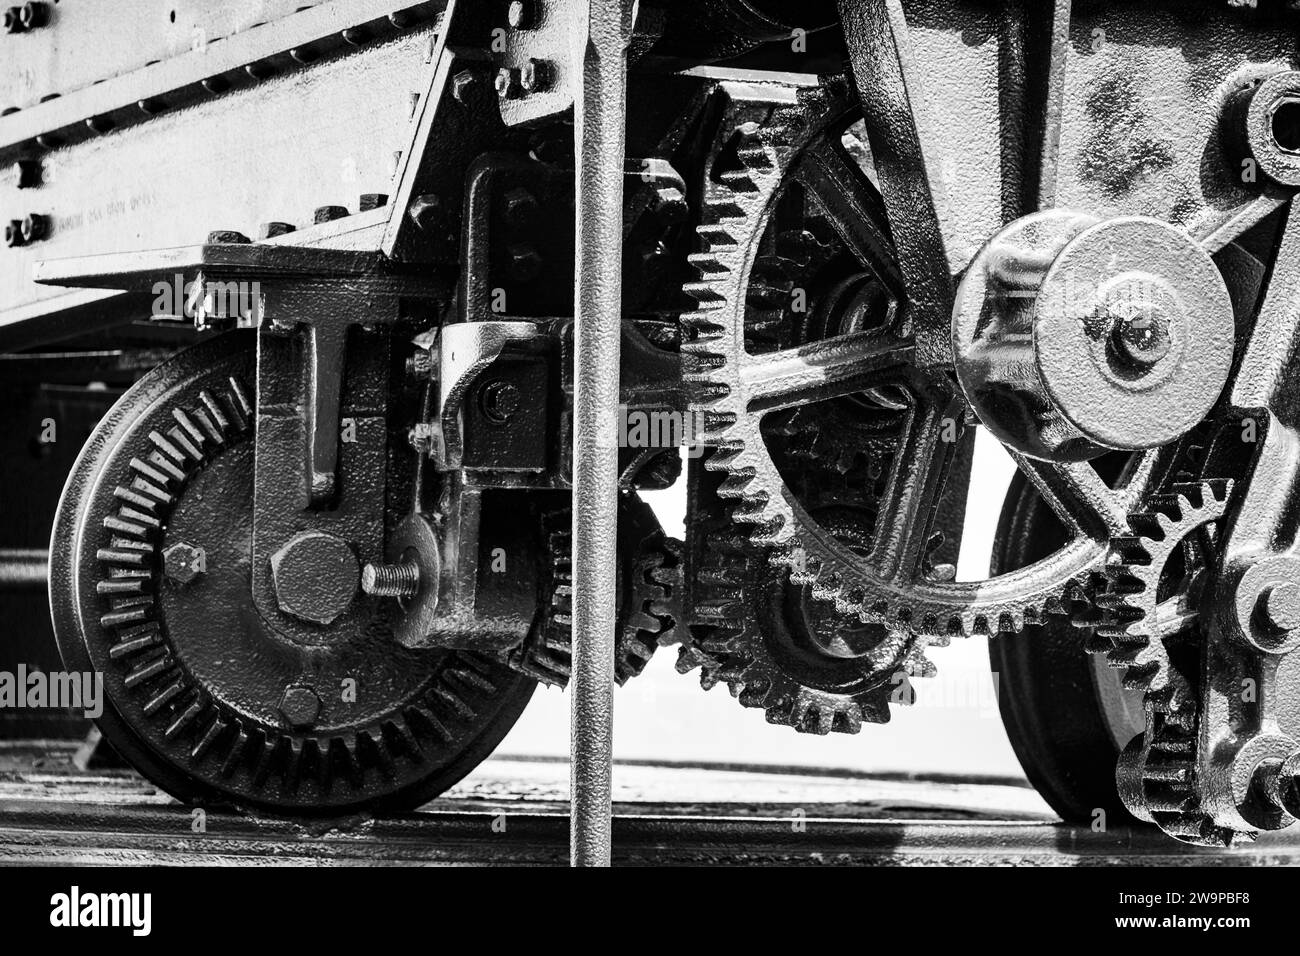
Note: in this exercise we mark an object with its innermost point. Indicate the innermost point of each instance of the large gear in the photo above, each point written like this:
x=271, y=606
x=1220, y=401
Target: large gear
x=764, y=147
x=207, y=695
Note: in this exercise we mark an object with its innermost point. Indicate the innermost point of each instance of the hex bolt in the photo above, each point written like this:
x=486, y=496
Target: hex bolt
x=461, y=84
x=420, y=365
x=1279, y=607
x=269, y=230
x=520, y=208
x=183, y=563
x=326, y=214
x=670, y=205
x=423, y=211
x=315, y=577
x=14, y=20
x=35, y=228
x=507, y=82
x=14, y=233
x=525, y=262
x=227, y=237
x=300, y=706
x=400, y=581
x=535, y=76
x=372, y=201
x=27, y=173
x=499, y=401
x=34, y=15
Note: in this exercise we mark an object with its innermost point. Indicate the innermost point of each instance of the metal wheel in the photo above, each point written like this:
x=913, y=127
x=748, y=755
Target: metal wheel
x=1067, y=713
x=149, y=586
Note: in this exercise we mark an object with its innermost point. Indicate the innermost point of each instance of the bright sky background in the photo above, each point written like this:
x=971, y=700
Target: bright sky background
x=953, y=728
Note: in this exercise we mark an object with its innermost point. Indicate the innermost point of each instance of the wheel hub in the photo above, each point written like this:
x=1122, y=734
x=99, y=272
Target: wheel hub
x=1074, y=337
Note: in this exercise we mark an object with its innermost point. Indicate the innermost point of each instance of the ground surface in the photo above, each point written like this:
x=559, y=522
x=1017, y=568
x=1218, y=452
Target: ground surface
x=514, y=810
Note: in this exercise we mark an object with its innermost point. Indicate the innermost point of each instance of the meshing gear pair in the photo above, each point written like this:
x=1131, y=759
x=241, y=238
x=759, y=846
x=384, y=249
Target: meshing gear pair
x=812, y=615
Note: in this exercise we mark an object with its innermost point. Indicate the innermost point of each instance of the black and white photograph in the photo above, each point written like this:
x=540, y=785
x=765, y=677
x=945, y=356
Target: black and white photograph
x=710, y=434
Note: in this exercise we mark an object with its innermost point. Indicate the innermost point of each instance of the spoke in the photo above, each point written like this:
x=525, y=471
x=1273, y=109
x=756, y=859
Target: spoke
x=828, y=368
x=1078, y=496
x=915, y=482
x=1045, y=42
x=854, y=208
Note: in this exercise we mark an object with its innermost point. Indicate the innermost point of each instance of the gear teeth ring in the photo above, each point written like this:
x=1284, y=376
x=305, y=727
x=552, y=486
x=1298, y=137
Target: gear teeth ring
x=1130, y=606
x=764, y=139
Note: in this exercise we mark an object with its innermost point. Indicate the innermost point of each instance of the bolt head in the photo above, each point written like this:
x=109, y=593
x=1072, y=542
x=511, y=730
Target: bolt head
x=499, y=401
x=1139, y=332
x=35, y=228
x=269, y=230
x=507, y=82
x=520, y=208
x=14, y=20
x=535, y=76
x=670, y=205
x=329, y=214
x=34, y=15
x=461, y=85
x=227, y=236
x=14, y=233
x=424, y=210
x=27, y=173
x=525, y=263
x=300, y=706
x=183, y=563
x=315, y=577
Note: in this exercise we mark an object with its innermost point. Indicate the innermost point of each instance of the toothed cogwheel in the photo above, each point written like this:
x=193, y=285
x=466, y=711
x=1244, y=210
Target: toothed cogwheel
x=649, y=579
x=761, y=150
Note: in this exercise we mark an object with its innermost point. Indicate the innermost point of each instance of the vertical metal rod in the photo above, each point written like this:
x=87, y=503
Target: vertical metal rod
x=601, y=139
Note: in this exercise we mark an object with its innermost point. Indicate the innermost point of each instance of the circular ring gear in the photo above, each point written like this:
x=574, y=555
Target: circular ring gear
x=1145, y=615
x=1139, y=615
x=200, y=695
x=764, y=142
x=649, y=580
x=778, y=644
x=1075, y=337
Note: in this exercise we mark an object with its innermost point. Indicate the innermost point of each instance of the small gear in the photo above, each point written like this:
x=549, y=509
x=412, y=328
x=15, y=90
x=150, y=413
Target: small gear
x=776, y=642
x=1149, y=627
x=649, y=579
x=1143, y=611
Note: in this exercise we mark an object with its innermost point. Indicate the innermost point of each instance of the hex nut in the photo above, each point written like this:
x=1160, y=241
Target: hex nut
x=183, y=563
x=315, y=577
x=300, y=706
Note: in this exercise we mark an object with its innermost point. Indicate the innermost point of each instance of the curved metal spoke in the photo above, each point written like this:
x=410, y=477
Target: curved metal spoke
x=915, y=483
x=1079, y=497
x=851, y=204
x=819, y=370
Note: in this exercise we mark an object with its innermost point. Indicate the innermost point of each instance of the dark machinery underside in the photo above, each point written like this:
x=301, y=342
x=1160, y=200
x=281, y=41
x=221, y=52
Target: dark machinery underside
x=375, y=318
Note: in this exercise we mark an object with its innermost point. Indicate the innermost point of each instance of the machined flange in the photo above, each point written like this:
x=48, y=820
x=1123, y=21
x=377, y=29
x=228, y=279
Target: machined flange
x=1073, y=337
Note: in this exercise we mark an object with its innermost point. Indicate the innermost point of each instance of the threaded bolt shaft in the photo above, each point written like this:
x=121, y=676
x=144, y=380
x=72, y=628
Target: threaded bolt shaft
x=391, y=580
